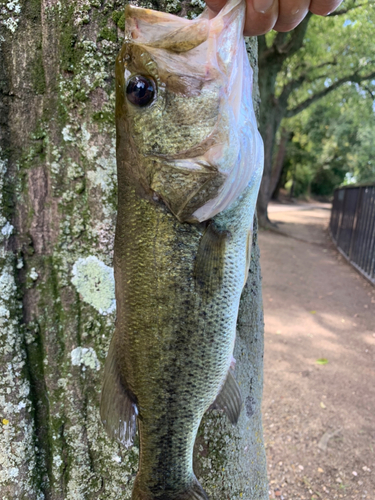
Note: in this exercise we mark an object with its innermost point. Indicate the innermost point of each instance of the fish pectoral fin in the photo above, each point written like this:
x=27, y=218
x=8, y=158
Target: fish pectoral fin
x=229, y=399
x=209, y=264
x=118, y=410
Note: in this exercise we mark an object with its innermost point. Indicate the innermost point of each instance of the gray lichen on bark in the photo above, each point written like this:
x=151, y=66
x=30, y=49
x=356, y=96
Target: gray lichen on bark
x=58, y=191
x=18, y=459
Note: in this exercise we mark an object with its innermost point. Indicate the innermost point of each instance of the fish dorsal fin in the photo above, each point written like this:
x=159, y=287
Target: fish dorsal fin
x=229, y=399
x=210, y=260
x=118, y=410
x=164, y=31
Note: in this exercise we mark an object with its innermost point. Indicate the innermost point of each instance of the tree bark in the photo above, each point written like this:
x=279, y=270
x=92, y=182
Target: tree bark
x=58, y=209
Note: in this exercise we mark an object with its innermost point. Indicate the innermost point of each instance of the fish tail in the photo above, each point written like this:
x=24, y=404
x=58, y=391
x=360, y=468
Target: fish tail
x=194, y=492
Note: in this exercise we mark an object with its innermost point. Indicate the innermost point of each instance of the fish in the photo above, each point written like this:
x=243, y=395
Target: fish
x=189, y=166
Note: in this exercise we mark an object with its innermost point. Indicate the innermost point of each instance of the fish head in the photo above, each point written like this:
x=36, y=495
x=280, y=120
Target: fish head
x=178, y=108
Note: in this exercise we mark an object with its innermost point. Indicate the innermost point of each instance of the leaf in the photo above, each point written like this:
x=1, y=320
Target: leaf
x=312, y=312
x=322, y=405
x=322, y=361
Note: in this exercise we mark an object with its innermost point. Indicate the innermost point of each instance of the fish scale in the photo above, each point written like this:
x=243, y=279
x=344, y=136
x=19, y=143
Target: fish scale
x=179, y=276
x=161, y=319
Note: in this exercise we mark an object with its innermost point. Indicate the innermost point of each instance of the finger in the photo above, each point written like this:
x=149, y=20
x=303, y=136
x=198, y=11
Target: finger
x=291, y=13
x=216, y=5
x=324, y=7
x=261, y=16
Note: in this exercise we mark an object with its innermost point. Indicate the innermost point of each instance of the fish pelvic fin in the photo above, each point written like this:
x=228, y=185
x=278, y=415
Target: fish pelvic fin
x=118, y=410
x=194, y=492
x=229, y=399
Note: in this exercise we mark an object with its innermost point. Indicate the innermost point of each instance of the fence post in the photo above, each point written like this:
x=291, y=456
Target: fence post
x=354, y=226
x=340, y=219
x=361, y=250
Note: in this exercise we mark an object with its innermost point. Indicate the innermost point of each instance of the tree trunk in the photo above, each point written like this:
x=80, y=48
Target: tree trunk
x=270, y=119
x=277, y=169
x=282, y=180
x=58, y=208
x=273, y=108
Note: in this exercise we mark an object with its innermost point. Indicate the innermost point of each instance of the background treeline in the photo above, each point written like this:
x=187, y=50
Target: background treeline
x=329, y=144
x=317, y=88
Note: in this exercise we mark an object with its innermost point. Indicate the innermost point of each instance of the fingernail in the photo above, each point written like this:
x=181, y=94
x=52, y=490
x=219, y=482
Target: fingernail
x=262, y=6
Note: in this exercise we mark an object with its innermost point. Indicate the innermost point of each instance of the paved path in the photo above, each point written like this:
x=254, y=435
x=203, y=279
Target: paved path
x=319, y=419
x=293, y=207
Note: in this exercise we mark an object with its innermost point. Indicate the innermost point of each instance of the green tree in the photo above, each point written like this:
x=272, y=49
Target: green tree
x=58, y=209
x=332, y=142
x=297, y=69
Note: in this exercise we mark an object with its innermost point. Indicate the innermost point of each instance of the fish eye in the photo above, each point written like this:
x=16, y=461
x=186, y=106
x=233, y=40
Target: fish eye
x=140, y=90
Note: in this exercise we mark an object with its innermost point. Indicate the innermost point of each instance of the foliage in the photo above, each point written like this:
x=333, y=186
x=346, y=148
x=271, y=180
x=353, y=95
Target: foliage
x=332, y=142
x=313, y=62
x=335, y=50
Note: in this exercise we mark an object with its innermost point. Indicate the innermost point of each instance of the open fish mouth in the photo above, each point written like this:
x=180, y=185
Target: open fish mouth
x=204, y=148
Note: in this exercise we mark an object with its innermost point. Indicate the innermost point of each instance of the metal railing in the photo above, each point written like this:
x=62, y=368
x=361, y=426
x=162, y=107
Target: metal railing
x=352, y=227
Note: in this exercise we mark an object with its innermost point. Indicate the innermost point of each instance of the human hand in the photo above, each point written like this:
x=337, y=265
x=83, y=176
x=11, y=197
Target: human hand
x=280, y=15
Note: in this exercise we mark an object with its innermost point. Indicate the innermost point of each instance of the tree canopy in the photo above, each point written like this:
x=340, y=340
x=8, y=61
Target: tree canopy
x=335, y=50
x=311, y=63
x=332, y=143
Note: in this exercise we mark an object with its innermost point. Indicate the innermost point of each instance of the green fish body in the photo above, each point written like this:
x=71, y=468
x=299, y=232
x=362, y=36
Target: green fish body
x=189, y=161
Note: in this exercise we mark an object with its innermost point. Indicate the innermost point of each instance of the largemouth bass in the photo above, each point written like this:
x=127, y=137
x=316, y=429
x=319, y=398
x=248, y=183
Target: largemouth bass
x=189, y=160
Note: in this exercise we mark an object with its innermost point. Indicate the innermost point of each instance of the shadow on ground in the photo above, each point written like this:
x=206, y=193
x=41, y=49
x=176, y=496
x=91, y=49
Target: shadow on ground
x=319, y=419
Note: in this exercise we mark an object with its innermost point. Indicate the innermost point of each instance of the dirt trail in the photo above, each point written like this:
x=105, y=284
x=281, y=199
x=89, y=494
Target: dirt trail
x=319, y=419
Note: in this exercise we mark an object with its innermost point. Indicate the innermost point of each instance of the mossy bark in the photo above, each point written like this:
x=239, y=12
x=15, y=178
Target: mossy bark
x=58, y=208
